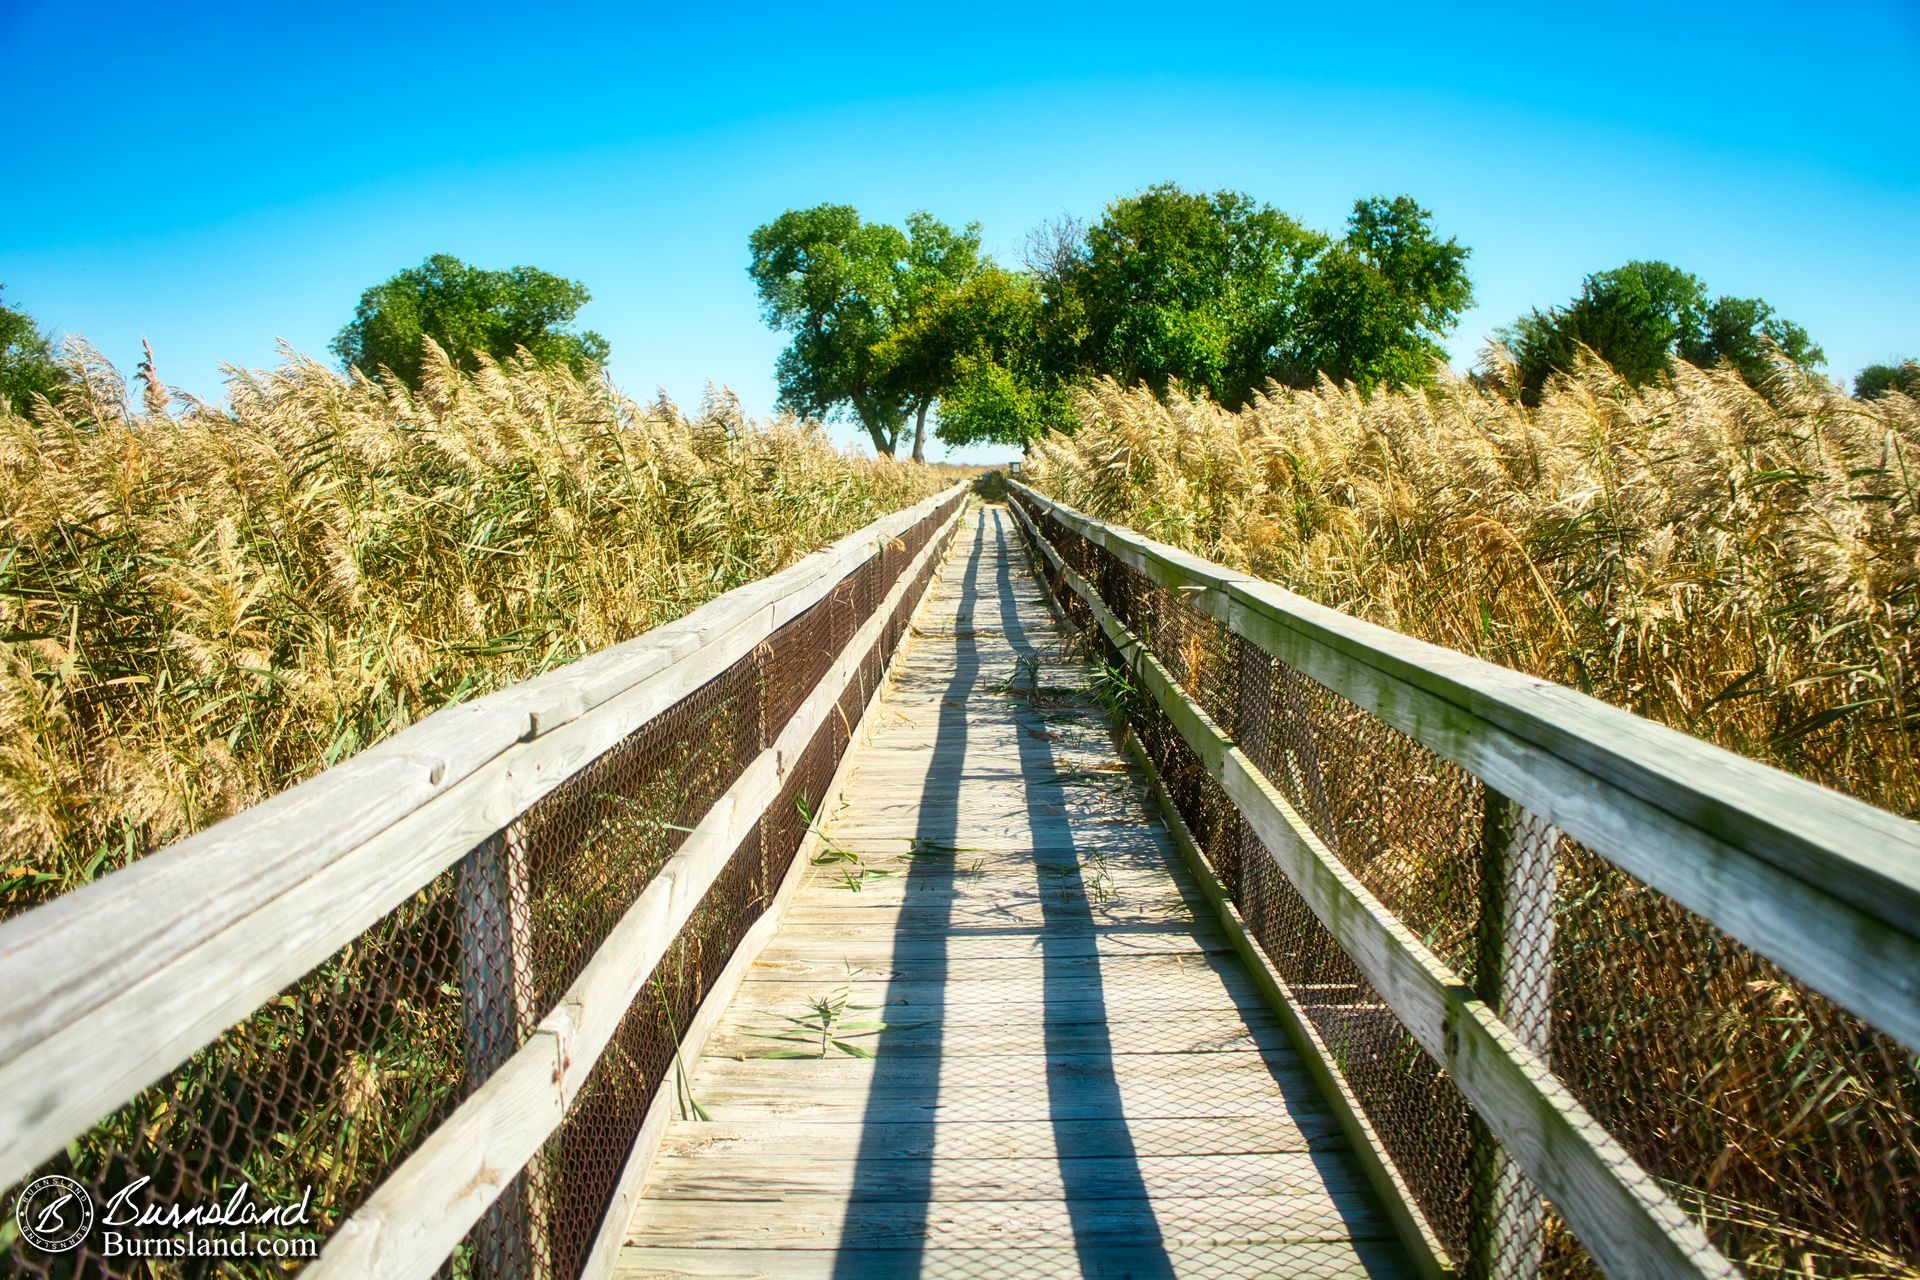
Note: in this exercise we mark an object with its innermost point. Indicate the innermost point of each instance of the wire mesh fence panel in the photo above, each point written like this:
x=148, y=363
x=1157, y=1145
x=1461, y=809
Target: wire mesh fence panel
x=616, y=825
x=331, y=1085
x=1782, y=1124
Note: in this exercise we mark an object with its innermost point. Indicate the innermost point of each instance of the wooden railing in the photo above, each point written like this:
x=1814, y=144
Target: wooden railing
x=1822, y=886
x=113, y=988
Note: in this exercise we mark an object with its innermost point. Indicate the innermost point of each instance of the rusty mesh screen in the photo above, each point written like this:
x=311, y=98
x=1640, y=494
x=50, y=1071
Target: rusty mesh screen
x=341, y=1076
x=1779, y=1122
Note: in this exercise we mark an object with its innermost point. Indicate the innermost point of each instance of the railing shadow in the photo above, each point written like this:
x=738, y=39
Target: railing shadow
x=1081, y=1081
x=896, y=1154
x=889, y=1226
x=1377, y=1253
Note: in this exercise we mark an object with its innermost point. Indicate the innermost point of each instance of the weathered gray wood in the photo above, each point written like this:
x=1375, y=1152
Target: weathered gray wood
x=1055, y=1012
x=1183, y=1100
x=1160, y=1005
x=420, y=1212
x=603, y=1254
x=496, y=989
x=1323, y=1260
x=1345, y=1214
x=1424, y=1250
x=757, y=1141
x=800, y=1176
x=1189, y=969
x=983, y=912
x=1514, y=975
x=1619, y=1213
x=1195, y=1032
x=1823, y=885
x=1250, y=1071
x=880, y=946
x=105, y=990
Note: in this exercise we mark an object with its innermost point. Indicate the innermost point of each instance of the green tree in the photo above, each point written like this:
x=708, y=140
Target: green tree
x=1632, y=317
x=1223, y=293
x=1171, y=285
x=1376, y=304
x=1640, y=317
x=841, y=287
x=939, y=261
x=468, y=310
x=1876, y=380
x=979, y=348
x=27, y=364
x=1744, y=333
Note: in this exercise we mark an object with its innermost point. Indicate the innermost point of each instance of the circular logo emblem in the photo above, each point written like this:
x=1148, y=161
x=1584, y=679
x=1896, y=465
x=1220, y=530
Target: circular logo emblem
x=54, y=1213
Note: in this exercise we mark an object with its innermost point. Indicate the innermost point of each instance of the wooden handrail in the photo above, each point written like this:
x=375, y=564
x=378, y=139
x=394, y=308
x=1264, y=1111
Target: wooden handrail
x=426, y=1206
x=1618, y=1211
x=105, y=990
x=1824, y=885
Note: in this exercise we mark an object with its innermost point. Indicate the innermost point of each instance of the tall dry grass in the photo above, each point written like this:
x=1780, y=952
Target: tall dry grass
x=199, y=608
x=1742, y=565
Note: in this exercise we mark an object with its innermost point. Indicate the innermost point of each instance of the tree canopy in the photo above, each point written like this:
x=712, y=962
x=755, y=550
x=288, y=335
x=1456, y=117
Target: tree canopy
x=27, y=364
x=1640, y=317
x=1377, y=303
x=981, y=349
x=842, y=287
x=1876, y=380
x=1222, y=293
x=1219, y=293
x=1171, y=285
x=468, y=310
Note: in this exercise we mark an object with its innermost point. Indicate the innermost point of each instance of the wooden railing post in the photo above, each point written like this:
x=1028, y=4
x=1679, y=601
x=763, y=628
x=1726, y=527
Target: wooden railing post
x=496, y=984
x=1513, y=972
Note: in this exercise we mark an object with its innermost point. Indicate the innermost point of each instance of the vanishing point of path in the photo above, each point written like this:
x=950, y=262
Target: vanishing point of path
x=1076, y=1075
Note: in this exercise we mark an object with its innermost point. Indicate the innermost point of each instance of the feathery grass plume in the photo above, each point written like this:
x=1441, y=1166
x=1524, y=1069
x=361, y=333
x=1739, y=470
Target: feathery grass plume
x=199, y=610
x=1743, y=565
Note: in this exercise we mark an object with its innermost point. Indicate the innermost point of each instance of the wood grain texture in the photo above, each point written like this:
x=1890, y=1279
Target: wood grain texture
x=1337, y=1260
x=106, y=989
x=603, y=1255
x=420, y=1212
x=1622, y=1216
x=1054, y=1050
x=1822, y=884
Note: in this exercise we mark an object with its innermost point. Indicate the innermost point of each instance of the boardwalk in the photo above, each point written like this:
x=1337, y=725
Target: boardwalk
x=997, y=1017
x=1075, y=1074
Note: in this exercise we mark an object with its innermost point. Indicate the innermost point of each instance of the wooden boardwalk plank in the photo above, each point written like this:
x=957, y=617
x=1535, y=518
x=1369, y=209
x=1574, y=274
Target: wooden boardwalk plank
x=1075, y=1075
x=1189, y=1033
x=1317, y=1214
x=1115, y=1176
x=1328, y=1261
x=757, y=1143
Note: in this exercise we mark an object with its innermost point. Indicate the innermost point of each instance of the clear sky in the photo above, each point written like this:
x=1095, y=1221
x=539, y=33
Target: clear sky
x=218, y=176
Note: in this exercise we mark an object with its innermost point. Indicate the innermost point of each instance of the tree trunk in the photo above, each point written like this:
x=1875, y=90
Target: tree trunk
x=920, y=434
x=882, y=441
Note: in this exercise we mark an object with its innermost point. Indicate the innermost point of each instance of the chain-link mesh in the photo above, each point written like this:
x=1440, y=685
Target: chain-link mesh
x=340, y=1077
x=1784, y=1125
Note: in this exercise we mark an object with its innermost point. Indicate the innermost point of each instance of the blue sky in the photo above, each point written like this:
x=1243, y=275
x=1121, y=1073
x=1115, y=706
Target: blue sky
x=216, y=177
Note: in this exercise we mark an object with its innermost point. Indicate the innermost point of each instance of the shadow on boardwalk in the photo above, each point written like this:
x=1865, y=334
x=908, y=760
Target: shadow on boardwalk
x=1077, y=1076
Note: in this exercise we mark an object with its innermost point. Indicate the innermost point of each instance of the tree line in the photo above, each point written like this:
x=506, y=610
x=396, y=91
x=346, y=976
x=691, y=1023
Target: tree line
x=1217, y=293
x=894, y=327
